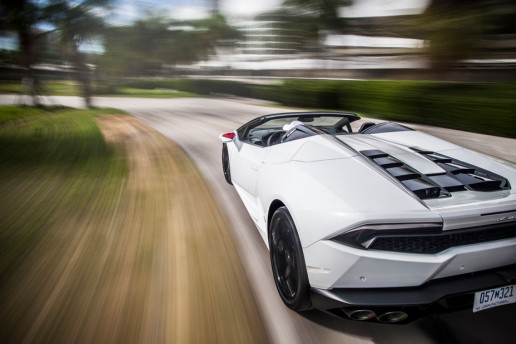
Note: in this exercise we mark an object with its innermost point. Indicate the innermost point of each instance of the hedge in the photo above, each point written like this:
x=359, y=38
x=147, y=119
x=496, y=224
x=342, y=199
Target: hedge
x=487, y=108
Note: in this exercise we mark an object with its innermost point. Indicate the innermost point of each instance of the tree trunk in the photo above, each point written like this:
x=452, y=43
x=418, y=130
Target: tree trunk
x=83, y=77
x=30, y=81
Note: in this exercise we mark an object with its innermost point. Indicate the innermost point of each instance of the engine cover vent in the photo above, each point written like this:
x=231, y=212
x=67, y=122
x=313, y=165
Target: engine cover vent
x=422, y=186
x=470, y=176
x=458, y=175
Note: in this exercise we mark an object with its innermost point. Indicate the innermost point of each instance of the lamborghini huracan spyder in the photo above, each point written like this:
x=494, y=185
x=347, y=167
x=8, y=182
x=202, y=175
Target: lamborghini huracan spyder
x=381, y=224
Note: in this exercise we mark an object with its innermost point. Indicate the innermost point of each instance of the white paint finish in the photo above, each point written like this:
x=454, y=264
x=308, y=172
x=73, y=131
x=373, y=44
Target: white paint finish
x=417, y=139
x=245, y=168
x=329, y=196
x=402, y=152
x=390, y=269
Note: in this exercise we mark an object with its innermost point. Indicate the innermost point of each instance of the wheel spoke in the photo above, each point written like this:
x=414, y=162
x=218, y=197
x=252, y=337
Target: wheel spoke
x=288, y=271
x=280, y=246
x=291, y=290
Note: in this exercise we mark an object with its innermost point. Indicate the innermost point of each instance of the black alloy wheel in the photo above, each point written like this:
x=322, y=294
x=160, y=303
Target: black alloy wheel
x=288, y=263
x=225, y=164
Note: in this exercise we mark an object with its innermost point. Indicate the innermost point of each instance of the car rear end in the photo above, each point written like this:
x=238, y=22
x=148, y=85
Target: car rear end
x=393, y=271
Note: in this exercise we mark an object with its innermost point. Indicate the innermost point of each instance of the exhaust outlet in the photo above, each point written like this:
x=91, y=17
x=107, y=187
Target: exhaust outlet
x=392, y=317
x=360, y=314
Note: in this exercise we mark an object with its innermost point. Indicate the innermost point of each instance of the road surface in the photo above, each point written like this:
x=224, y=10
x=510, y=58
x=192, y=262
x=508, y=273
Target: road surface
x=195, y=123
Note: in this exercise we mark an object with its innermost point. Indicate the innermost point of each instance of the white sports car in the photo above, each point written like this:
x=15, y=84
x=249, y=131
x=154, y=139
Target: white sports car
x=382, y=224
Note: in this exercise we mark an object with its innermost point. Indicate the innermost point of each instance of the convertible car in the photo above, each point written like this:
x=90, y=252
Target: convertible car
x=383, y=224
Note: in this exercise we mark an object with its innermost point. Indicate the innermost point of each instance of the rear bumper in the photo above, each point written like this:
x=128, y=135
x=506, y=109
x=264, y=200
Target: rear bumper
x=436, y=296
x=332, y=266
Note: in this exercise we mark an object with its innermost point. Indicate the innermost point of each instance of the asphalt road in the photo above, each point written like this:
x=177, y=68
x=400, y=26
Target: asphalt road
x=195, y=123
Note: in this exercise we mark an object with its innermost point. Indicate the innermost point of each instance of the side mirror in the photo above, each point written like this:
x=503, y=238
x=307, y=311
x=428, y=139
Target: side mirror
x=227, y=137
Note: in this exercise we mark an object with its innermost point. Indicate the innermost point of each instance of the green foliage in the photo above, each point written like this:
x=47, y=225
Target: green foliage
x=147, y=93
x=52, y=160
x=12, y=113
x=478, y=107
x=154, y=41
x=455, y=27
x=325, y=12
x=50, y=136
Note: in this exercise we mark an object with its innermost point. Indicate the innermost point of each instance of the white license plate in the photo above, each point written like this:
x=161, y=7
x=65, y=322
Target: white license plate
x=494, y=297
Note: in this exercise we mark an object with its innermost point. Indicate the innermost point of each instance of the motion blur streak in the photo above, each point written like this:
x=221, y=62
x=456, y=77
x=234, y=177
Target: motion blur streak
x=151, y=263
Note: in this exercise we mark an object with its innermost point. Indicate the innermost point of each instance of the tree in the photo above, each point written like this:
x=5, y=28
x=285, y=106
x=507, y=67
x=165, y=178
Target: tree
x=324, y=12
x=155, y=41
x=213, y=31
x=77, y=21
x=453, y=28
x=311, y=17
x=21, y=16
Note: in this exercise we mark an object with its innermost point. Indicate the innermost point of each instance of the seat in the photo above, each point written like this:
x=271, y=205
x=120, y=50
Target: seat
x=275, y=138
x=365, y=126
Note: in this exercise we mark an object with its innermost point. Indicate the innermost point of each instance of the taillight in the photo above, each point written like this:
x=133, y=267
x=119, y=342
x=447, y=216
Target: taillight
x=364, y=236
x=230, y=136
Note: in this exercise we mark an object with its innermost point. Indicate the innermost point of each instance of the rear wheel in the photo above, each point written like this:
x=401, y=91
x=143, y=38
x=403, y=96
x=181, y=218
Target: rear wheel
x=288, y=263
x=225, y=164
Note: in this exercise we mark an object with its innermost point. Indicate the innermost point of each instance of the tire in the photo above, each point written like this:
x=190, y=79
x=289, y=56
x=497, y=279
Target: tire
x=225, y=164
x=288, y=263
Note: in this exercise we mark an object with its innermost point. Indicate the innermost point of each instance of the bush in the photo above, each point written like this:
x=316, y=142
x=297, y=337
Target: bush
x=480, y=107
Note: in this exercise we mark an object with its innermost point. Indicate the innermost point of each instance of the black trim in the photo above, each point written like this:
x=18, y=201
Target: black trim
x=384, y=127
x=425, y=240
x=243, y=131
x=499, y=213
x=441, y=294
x=435, y=243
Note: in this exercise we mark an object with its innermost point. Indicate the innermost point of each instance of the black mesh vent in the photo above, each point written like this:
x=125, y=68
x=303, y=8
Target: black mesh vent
x=435, y=243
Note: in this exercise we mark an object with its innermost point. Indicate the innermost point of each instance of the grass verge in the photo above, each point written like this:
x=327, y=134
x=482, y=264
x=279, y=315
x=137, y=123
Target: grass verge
x=67, y=88
x=109, y=234
x=44, y=156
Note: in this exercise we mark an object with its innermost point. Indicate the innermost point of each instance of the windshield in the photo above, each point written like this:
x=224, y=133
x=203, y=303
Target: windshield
x=316, y=121
x=272, y=129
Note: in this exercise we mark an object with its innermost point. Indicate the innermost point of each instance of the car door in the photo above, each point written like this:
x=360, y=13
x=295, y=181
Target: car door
x=246, y=166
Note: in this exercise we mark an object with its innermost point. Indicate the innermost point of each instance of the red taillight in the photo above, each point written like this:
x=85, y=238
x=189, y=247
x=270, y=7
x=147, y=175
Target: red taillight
x=229, y=135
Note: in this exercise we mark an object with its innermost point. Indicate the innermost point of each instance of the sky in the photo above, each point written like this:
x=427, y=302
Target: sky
x=127, y=11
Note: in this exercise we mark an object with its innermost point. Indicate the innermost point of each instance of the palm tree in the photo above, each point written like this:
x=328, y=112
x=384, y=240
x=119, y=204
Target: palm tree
x=315, y=16
x=325, y=12
x=77, y=21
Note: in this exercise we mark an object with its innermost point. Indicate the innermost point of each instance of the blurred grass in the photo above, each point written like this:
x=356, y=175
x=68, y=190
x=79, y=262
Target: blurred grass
x=45, y=154
x=67, y=88
x=153, y=93
x=10, y=87
x=56, y=88
x=101, y=239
